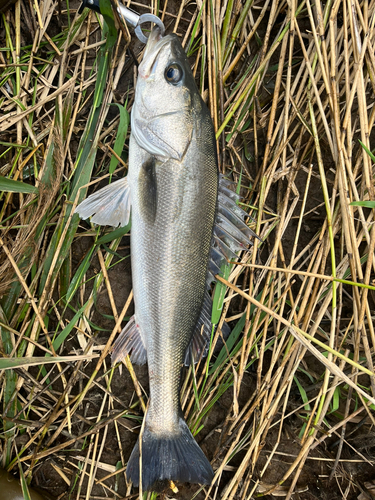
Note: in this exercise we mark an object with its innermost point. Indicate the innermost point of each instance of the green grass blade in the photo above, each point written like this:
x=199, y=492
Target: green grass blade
x=25, y=489
x=236, y=30
x=366, y=204
x=120, y=136
x=219, y=295
x=11, y=186
x=189, y=48
x=113, y=235
x=371, y=155
x=78, y=276
x=67, y=330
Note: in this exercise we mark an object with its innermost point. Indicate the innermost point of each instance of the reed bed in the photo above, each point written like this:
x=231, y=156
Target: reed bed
x=287, y=406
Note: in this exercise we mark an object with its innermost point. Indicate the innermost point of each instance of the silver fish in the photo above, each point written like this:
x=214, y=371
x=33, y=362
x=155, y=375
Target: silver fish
x=175, y=197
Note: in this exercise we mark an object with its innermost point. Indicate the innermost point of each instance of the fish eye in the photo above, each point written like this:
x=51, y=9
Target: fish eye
x=174, y=73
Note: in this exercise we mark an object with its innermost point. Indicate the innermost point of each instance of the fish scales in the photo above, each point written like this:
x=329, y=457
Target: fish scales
x=169, y=267
x=172, y=188
x=170, y=248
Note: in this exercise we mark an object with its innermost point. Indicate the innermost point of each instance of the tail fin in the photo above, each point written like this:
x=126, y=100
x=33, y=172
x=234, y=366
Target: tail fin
x=174, y=457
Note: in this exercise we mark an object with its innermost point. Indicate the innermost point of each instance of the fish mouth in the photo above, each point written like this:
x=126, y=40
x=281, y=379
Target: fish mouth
x=153, y=39
x=154, y=44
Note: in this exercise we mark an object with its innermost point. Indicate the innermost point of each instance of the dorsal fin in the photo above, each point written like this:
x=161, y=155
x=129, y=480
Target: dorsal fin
x=231, y=233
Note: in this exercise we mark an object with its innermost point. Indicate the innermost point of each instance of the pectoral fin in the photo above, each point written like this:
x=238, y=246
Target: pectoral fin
x=110, y=206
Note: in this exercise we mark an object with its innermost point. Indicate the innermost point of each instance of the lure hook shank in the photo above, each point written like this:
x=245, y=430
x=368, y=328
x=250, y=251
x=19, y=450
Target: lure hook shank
x=131, y=18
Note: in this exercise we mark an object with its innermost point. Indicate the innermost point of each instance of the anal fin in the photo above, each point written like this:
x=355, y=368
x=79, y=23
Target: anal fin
x=110, y=206
x=200, y=342
x=130, y=341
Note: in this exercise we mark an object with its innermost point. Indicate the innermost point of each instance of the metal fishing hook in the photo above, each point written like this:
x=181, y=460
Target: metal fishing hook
x=131, y=18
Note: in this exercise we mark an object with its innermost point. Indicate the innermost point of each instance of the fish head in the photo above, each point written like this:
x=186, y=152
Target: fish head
x=162, y=116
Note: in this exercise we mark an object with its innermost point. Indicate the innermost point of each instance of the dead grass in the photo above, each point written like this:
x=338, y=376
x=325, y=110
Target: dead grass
x=290, y=88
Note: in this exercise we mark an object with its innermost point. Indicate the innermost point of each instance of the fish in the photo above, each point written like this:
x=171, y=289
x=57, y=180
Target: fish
x=185, y=222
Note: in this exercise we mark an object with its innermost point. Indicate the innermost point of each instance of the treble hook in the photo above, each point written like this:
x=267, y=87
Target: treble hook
x=132, y=18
